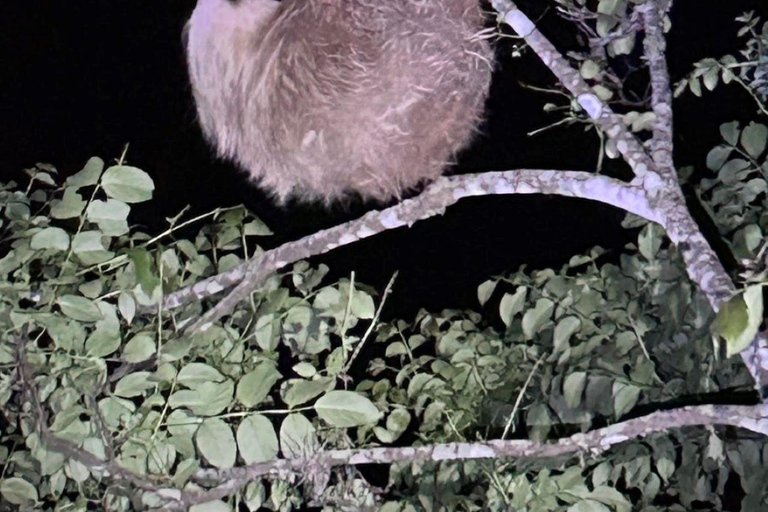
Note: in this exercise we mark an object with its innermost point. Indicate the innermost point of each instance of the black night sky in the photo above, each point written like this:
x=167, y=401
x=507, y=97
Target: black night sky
x=82, y=78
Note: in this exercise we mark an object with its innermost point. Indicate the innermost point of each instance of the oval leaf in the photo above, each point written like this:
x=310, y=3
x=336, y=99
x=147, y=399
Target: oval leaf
x=79, y=308
x=216, y=443
x=346, y=409
x=127, y=184
x=297, y=437
x=256, y=439
x=55, y=239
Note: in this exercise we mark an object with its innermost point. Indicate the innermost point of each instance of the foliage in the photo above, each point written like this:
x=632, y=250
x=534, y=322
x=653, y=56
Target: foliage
x=108, y=372
x=749, y=68
x=736, y=196
x=90, y=357
x=107, y=402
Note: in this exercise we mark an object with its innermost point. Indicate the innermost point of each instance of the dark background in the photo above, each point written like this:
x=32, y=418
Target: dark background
x=82, y=78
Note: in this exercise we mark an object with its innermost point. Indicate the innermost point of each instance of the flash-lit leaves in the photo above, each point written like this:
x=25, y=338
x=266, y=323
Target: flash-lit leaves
x=216, y=443
x=89, y=248
x=55, y=239
x=145, y=270
x=485, y=290
x=736, y=197
x=256, y=439
x=535, y=318
x=753, y=139
x=88, y=176
x=299, y=391
x=256, y=385
x=105, y=338
x=560, y=351
x=139, y=348
x=127, y=184
x=207, y=399
x=511, y=304
x=298, y=437
x=70, y=205
x=739, y=319
x=79, y=308
x=17, y=491
x=111, y=216
x=346, y=409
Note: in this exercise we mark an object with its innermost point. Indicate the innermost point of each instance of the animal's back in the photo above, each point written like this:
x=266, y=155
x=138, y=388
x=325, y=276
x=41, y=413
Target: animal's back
x=340, y=96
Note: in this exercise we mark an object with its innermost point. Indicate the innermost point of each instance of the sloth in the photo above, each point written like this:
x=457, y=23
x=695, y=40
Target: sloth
x=319, y=100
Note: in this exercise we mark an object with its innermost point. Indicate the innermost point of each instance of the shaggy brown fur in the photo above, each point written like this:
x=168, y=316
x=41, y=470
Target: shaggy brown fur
x=317, y=99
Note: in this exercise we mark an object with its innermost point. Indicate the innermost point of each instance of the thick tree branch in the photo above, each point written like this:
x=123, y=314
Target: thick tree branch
x=753, y=418
x=626, y=143
x=657, y=174
x=433, y=201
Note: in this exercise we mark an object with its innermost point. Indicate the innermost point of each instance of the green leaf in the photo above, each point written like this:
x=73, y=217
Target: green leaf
x=254, y=386
x=573, y=387
x=194, y=375
x=512, y=304
x=18, y=491
x=142, y=260
x=588, y=506
x=110, y=215
x=665, y=468
x=485, y=290
x=105, y=339
x=624, y=398
x=254, y=495
x=564, y=330
x=718, y=156
x=127, y=306
x=256, y=439
x=266, y=332
x=211, y=506
x=297, y=437
x=362, y=305
x=398, y=421
x=256, y=228
x=140, y=348
x=88, y=176
x=216, y=443
x=535, y=318
x=611, y=497
x=71, y=205
x=127, y=184
x=134, y=384
x=649, y=240
x=738, y=319
x=209, y=399
x=589, y=69
x=346, y=409
x=89, y=248
x=184, y=471
x=55, y=239
x=711, y=78
x=79, y=308
x=305, y=370
x=753, y=138
x=730, y=132
x=298, y=391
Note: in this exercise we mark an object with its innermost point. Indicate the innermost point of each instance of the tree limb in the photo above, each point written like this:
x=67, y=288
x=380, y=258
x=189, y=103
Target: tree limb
x=433, y=201
x=753, y=418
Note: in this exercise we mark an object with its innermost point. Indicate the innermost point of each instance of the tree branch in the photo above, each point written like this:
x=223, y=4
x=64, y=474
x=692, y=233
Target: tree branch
x=433, y=201
x=656, y=175
x=753, y=418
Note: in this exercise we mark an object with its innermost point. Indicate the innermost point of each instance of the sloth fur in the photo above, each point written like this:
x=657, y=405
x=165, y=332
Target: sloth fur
x=319, y=99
